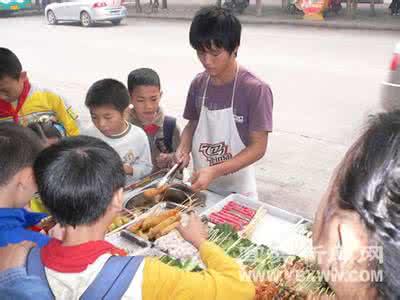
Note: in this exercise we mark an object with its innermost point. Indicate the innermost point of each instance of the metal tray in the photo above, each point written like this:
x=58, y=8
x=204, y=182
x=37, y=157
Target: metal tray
x=118, y=240
x=242, y=200
x=279, y=229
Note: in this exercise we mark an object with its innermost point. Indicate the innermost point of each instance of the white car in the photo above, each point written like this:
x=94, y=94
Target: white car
x=86, y=12
x=390, y=98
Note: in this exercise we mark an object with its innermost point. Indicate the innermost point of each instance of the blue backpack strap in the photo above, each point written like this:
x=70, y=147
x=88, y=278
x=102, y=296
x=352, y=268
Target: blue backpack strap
x=169, y=126
x=35, y=267
x=114, y=278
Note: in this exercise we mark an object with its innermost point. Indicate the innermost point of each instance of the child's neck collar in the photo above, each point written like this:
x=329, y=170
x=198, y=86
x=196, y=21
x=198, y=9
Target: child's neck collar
x=124, y=131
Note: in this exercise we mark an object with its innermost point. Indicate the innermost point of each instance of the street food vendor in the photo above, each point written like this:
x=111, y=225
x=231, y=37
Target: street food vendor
x=229, y=109
x=356, y=232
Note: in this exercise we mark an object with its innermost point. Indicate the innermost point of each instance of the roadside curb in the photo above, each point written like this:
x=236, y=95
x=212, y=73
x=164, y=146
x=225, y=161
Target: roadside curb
x=245, y=19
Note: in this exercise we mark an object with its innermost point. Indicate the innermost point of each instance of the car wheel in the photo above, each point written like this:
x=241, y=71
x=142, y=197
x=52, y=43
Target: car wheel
x=116, y=22
x=86, y=20
x=51, y=18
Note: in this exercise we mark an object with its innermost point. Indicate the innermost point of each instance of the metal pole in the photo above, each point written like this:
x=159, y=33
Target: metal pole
x=258, y=8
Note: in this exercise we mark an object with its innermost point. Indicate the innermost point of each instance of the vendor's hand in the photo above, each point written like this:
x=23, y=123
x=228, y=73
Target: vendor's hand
x=128, y=169
x=164, y=160
x=14, y=255
x=195, y=232
x=202, y=179
x=183, y=157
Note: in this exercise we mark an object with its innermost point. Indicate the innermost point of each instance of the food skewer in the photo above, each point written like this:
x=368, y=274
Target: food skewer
x=162, y=185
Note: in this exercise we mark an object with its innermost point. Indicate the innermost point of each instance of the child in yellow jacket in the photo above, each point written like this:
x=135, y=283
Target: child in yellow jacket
x=81, y=180
x=24, y=103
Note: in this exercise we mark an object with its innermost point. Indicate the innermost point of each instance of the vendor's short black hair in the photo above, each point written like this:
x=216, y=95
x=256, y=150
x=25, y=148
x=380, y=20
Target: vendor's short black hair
x=19, y=148
x=77, y=178
x=108, y=92
x=9, y=64
x=143, y=76
x=214, y=25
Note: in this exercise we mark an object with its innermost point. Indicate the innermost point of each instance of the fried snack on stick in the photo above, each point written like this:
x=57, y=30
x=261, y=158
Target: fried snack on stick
x=136, y=227
x=157, y=229
x=168, y=229
x=152, y=221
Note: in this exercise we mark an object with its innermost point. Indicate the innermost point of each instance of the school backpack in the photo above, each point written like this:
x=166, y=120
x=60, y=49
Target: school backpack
x=110, y=283
x=165, y=144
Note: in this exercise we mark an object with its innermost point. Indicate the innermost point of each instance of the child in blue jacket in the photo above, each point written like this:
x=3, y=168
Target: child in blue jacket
x=18, y=147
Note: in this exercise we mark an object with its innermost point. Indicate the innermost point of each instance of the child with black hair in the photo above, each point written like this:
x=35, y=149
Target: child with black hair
x=357, y=225
x=108, y=101
x=229, y=110
x=84, y=266
x=24, y=103
x=18, y=147
x=164, y=135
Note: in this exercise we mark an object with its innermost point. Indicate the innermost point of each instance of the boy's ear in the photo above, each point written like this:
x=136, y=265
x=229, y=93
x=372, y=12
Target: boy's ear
x=126, y=111
x=161, y=93
x=118, y=199
x=235, y=52
x=23, y=76
x=26, y=177
x=353, y=235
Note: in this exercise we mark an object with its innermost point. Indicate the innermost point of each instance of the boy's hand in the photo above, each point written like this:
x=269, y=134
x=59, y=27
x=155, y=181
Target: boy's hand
x=164, y=160
x=195, y=232
x=128, y=169
x=13, y=256
x=202, y=179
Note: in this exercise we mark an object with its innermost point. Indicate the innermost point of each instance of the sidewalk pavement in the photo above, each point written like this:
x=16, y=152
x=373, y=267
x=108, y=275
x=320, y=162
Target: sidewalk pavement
x=273, y=13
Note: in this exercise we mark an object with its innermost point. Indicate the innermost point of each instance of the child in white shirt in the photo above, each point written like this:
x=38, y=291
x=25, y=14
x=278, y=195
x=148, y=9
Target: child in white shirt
x=108, y=101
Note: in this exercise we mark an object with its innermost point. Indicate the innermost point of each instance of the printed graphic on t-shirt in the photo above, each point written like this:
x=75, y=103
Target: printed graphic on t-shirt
x=129, y=158
x=238, y=119
x=215, y=153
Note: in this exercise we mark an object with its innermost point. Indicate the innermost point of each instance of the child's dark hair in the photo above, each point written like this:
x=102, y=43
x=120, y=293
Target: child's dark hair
x=108, y=92
x=77, y=178
x=19, y=148
x=215, y=26
x=48, y=129
x=143, y=76
x=369, y=183
x=9, y=64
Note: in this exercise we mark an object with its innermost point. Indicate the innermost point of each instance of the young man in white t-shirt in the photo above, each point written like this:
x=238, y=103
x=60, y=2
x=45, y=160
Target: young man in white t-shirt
x=108, y=101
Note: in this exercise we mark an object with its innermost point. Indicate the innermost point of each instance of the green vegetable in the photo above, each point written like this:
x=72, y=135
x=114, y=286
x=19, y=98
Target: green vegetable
x=187, y=265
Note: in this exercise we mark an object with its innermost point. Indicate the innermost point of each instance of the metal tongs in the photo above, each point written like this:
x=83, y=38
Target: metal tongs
x=169, y=176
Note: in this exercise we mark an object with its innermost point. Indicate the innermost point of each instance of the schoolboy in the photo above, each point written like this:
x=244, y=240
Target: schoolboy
x=108, y=101
x=18, y=147
x=24, y=103
x=85, y=202
x=164, y=135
